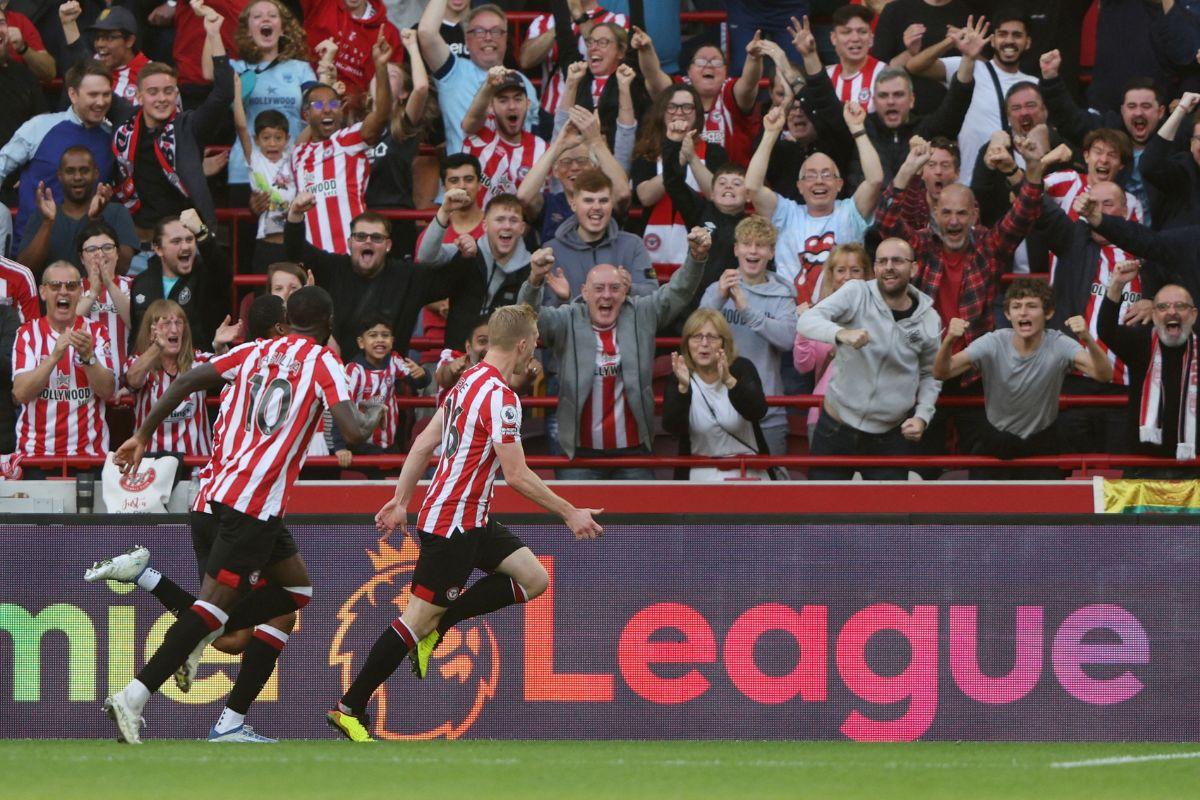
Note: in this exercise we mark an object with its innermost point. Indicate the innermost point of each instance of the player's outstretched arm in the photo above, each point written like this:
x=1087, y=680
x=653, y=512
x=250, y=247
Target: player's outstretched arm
x=356, y=426
x=199, y=378
x=394, y=513
x=519, y=476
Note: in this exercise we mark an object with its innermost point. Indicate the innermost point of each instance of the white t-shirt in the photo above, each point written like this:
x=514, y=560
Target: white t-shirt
x=277, y=175
x=985, y=116
x=807, y=240
x=715, y=427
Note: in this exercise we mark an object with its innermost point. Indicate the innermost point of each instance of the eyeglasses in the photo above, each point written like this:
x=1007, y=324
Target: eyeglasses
x=592, y=41
x=324, y=105
x=487, y=33
x=374, y=238
x=709, y=62
x=1177, y=306
x=812, y=175
x=681, y=108
x=70, y=286
x=92, y=249
x=898, y=261
x=565, y=163
x=706, y=337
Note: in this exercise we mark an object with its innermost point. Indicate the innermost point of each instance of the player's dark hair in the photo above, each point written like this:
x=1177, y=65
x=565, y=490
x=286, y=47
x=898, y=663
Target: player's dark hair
x=1117, y=140
x=270, y=118
x=156, y=68
x=372, y=217
x=309, y=307
x=1010, y=14
x=1148, y=84
x=1022, y=86
x=82, y=69
x=1022, y=288
x=96, y=227
x=505, y=200
x=265, y=313
x=457, y=160
x=373, y=319
x=729, y=168
x=849, y=12
x=76, y=150
x=309, y=88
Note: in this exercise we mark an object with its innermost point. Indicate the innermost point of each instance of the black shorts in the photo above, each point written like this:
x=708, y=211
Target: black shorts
x=233, y=547
x=445, y=562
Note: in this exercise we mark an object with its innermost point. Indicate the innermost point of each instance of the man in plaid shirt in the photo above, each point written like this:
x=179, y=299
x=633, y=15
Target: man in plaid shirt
x=958, y=262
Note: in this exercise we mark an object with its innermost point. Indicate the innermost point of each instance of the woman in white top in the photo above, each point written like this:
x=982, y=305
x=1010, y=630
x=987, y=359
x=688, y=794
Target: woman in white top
x=716, y=401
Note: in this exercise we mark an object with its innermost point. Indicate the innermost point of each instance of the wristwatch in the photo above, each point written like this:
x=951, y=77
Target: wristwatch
x=90, y=362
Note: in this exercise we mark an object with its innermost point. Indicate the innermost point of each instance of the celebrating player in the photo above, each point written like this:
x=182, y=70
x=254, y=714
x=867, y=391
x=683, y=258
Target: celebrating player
x=279, y=389
x=479, y=427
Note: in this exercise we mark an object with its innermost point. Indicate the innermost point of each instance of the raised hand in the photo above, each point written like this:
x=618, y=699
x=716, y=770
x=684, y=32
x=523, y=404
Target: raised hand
x=408, y=38
x=100, y=199
x=227, y=333
x=81, y=340
x=640, y=39
x=683, y=375
x=45, y=202
x=774, y=120
x=754, y=46
x=467, y=246
x=919, y=153
x=997, y=156
x=956, y=329
x=802, y=37
x=699, y=243
x=971, y=39
x=677, y=129
x=854, y=337
x=1088, y=209
x=1189, y=101
x=301, y=205
x=1078, y=327
x=326, y=50
x=212, y=164
x=496, y=76
x=1124, y=271
x=913, y=35
x=381, y=52
x=69, y=12
x=625, y=76
x=723, y=373
x=687, y=146
x=1059, y=155
x=855, y=116
x=1051, y=63
x=190, y=218
x=575, y=72
x=586, y=122
x=540, y=264
x=456, y=200
x=557, y=282
x=729, y=279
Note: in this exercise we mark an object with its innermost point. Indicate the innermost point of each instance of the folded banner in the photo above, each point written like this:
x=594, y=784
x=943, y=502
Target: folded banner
x=1158, y=497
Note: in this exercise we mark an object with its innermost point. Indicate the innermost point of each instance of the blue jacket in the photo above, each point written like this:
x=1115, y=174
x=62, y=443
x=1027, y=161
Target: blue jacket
x=36, y=148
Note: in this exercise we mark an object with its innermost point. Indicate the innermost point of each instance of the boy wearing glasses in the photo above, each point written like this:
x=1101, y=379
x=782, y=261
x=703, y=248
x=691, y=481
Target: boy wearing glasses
x=332, y=165
x=62, y=373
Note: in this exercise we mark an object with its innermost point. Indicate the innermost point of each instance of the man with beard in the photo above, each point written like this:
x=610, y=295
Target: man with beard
x=160, y=150
x=365, y=280
x=50, y=236
x=1163, y=372
x=1010, y=39
x=892, y=124
x=507, y=152
x=882, y=396
x=37, y=146
x=113, y=35
x=1173, y=172
x=1142, y=110
x=458, y=78
x=201, y=289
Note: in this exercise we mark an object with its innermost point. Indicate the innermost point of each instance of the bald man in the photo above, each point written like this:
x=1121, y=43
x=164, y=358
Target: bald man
x=605, y=352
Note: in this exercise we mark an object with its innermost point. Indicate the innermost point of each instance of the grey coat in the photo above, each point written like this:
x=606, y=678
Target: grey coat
x=567, y=332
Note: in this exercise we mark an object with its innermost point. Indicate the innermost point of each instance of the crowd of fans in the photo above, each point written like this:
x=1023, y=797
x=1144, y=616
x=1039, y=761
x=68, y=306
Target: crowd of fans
x=819, y=198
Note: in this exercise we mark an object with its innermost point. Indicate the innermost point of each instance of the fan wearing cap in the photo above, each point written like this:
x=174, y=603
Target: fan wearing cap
x=496, y=135
x=112, y=44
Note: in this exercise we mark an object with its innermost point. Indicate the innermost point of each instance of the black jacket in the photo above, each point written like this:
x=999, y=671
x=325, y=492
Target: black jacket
x=1173, y=172
x=9, y=322
x=203, y=293
x=194, y=130
x=1174, y=254
x=746, y=396
x=400, y=290
x=467, y=281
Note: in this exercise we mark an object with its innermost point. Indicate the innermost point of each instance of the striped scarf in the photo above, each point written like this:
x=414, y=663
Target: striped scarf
x=125, y=142
x=1149, y=424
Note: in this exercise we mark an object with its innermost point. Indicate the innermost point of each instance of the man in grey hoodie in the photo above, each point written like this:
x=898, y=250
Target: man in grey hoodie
x=592, y=237
x=882, y=396
x=761, y=309
x=484, y=273
x=604, y=345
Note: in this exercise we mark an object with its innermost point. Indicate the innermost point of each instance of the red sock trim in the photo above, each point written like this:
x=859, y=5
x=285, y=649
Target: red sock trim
x=422, y=592
x=210, y=621
x=230, y=579
x=263, y=636
x=404, y=633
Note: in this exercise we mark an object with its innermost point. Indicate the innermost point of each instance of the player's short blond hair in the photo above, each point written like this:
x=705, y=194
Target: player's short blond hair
x=510, y=324
x=756, y=229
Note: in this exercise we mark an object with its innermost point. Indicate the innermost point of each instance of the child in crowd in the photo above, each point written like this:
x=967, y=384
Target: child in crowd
x=377, y=376
x=1023, y=369
x=269, y=155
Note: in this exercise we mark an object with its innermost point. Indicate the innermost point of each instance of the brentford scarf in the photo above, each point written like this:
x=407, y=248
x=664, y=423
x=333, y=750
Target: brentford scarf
x=1149, y=422
x=125, y=142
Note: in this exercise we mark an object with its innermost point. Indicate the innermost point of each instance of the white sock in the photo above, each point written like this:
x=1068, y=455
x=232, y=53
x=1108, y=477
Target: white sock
x=136, y=695
x=229, y=720
x=148, y=579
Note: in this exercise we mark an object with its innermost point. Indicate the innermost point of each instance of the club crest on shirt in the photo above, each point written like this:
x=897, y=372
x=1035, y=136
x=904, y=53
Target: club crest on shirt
x=864, y=96
x=652, y=241
x=185, y=295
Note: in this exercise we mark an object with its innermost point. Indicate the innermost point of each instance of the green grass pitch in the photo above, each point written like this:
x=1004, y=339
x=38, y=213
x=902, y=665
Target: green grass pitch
x=494, y=770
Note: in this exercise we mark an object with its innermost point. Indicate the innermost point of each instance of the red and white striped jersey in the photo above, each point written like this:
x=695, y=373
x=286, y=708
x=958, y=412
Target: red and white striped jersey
x=665, y=236
x=377, y=387
x=19, y=290
x=336, y=172
x=125, y=78
x=279, y=389
x=726, y=125
x=504, y=164
x=859, y=87
x=1110, y=255
x=452, y=234
x=552, y=78
x=606, y=421
x=65, y=418
x=480, y=410
x=104, y=312
x=1065, y=185
x=186, y=429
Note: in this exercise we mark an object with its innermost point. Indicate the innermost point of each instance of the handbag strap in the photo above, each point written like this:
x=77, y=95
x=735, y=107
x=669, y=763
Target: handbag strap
x=999, y=96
